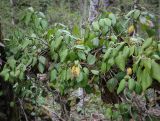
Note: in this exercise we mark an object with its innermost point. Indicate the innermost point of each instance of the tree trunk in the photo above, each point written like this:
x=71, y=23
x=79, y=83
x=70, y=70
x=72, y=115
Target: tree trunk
x=136, y=2
x=94, y=10
x=13, y=12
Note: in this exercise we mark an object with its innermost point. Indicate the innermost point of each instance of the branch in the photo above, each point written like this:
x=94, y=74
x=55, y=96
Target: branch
x=25, y=115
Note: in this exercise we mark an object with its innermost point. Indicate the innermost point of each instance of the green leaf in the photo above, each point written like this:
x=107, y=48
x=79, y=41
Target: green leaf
x=111, y=84
x=88, y=89
x=111, y=61
x=63, y=55
x=52, y=46
x=53, y=75
x=5, y=74
x=63, y=75
x=37, y=22
x=147, y=63
x=6, y=77
x=146, y=79
x=116, y=50
x=105, y=29
x=132, y=48
x=156, y=57
x=113, y=38
x=12, y=74
x=158, y=47
x=28, y=17
x=109, y=113
x=41, y=14
x=91, y=59
x=138, y=74
x=108, y=22
x=29, y=61
x=102, y=22
x=130, y=13
x=80, y=77
x=95, y=72
x=136, y=14
x=86, y=70
x=17, y=72
x=121, y=86
x=95, y=25
x=136, y=64
x=103, y=67
x=69, y=74
x=72, y=55
x=126, y=51
x=21, y=75
x=81, y=55
x=58, y=42
x=131, y=84
x=43, y=24
x=80, y=47
x=12, y=62
x=147, y=43
x=116, y=115
x=155, y=70
x=34, y=61
x=120, y=61
x=120, y=75
x=107, y=54
x=42, y=60
x=84, y=81
x=26, y=43
x=138, y=88
x=41, y=67
x=95, y=41
x=113, y=18
x=76, y=30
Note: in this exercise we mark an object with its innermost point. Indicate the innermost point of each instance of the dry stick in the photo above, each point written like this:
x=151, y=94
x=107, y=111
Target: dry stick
x=25, y=115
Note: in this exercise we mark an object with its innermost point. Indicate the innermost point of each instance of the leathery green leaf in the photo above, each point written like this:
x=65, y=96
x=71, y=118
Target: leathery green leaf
x=111, y=84
x=91, y=59
x=63, y=55
x=121, y=86
x=155, y=70
x=81, y=55
x=42, y=60
x=41, y=67
x=53, y=75
x=120, y=61
x=146, y=79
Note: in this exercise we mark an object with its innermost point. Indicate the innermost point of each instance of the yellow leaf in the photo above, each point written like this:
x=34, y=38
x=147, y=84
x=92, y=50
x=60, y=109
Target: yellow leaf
x=79, y=42
x=131, y=30
x=75, y=71
x=129, y=71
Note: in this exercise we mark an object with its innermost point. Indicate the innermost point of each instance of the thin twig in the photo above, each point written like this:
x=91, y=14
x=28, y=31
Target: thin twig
x=25, y=115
